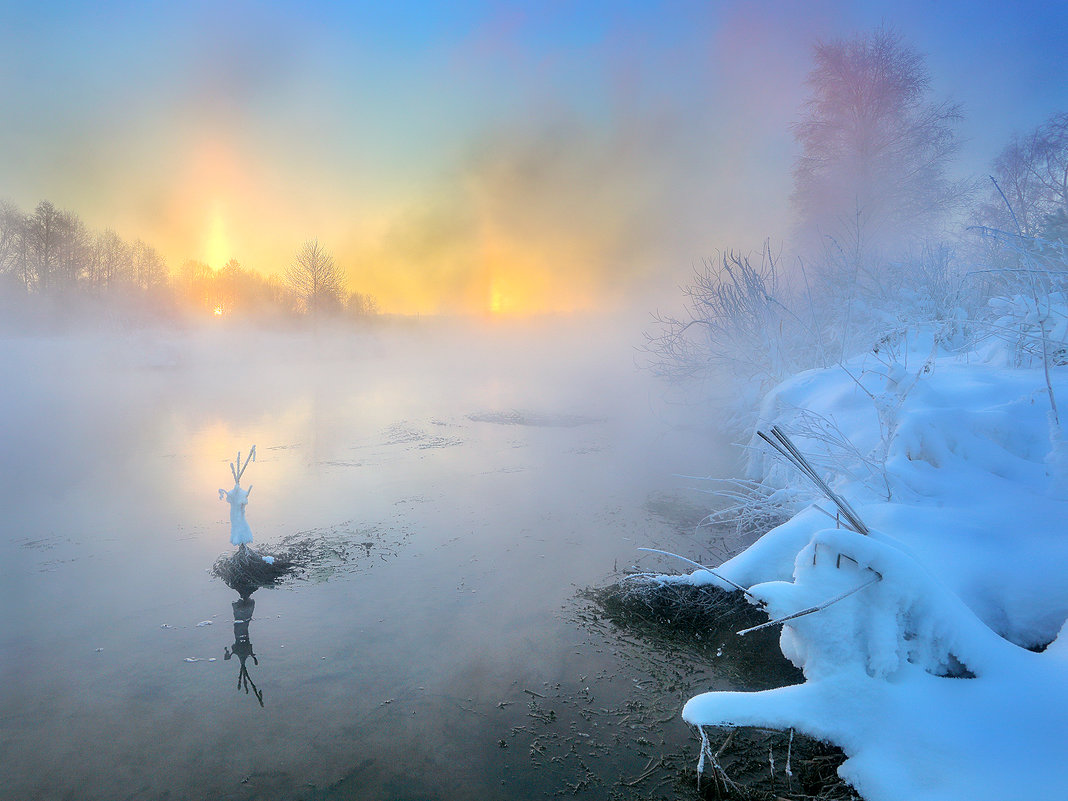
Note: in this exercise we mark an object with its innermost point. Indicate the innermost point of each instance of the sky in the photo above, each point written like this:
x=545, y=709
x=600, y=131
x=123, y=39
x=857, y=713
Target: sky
x=468, y=156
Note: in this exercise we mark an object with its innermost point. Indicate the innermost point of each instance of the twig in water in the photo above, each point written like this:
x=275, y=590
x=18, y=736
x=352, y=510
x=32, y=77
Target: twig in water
x=650, y=769
x=706, y=751
x=789, y=751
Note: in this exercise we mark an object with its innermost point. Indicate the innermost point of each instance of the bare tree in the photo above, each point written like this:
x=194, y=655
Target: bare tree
x=315, y=279
x=1031, y=195
x=111, y=261
x=12, y=244
x=874, y=148
x=360, y=304
x=739, y=323
x=149, y=268
x=42, y=239
x=195, y=285
x=73, y=249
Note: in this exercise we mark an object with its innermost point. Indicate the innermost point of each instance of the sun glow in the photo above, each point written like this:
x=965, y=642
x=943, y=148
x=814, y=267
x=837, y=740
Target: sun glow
x=497, y=299
x=217, y=246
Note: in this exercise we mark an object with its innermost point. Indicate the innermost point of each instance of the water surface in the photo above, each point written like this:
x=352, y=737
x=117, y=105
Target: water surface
x=464, y=483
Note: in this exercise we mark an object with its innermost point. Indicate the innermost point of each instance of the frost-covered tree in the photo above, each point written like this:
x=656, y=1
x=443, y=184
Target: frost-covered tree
x=315, y=279
x=1031, y=196
x=874, y=147
x=739, y=328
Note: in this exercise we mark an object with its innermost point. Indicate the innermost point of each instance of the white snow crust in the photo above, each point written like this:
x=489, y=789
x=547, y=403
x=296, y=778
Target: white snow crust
x=240, y=532
x=923, y=678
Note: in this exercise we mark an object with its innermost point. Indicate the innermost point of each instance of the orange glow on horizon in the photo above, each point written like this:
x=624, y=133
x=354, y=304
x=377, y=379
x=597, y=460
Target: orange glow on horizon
x=217, y=249
x=470, y=255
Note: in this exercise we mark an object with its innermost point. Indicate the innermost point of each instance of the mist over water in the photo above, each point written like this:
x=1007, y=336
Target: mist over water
x=460, y=481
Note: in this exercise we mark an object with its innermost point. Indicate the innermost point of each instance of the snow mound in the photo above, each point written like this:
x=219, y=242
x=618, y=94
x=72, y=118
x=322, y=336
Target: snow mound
x=920, y=672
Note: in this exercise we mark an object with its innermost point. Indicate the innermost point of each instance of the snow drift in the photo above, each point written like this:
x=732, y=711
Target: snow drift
x=922, y=675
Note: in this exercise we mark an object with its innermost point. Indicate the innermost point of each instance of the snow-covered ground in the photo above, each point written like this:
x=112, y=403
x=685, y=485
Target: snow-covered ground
x=924, y=677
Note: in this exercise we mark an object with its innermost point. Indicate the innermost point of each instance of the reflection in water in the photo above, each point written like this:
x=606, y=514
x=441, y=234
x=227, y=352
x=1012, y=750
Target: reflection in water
x=479, y=543
x=242, y=647
x=245, y=570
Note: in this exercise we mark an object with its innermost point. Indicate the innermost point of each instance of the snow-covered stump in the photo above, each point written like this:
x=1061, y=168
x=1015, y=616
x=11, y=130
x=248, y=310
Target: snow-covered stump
x=245, y=571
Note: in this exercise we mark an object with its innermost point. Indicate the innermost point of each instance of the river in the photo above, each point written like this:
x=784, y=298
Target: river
x=460, y=485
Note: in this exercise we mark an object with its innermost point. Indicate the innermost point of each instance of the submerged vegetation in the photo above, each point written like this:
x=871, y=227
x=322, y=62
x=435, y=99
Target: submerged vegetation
x=245, y=571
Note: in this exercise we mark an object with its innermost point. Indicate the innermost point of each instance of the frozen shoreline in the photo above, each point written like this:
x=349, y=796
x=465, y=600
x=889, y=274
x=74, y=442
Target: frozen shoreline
x=923, y=677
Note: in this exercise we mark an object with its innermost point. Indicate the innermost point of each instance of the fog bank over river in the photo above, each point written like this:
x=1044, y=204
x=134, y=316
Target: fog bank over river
x=457, y=482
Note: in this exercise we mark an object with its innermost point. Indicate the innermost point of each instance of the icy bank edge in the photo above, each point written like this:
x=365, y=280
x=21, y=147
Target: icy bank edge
x=970, y=545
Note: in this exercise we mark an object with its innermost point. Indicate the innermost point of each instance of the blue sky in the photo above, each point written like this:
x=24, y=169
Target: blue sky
x=415, y=138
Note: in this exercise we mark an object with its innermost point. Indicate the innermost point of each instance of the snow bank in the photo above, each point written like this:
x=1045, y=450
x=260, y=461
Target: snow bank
x=922, y=677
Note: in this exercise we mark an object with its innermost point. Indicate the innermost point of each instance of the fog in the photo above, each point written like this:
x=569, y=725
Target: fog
x=460, y=438
x=476, y=475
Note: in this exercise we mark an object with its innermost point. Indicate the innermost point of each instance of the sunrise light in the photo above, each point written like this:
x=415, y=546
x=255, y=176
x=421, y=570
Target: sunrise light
x=217, y=245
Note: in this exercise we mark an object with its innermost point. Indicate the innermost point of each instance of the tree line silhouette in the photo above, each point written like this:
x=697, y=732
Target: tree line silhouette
x=52, y=265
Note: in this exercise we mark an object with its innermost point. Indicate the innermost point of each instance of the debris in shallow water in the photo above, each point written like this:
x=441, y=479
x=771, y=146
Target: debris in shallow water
x=245, y=571
x=166, y=626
